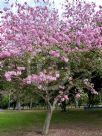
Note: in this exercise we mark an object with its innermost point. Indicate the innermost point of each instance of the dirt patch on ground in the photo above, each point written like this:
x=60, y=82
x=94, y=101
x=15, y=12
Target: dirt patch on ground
x=68, y=132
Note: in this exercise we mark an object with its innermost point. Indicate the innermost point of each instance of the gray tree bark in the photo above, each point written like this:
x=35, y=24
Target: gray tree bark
x=18, y=104
x=46, y=126
x=47, y=122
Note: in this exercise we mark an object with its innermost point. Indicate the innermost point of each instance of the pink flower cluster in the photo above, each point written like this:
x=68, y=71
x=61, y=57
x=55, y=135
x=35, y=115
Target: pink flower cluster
x=57, y=54
x=9, y=74
x=65, y=59
x=40, y=28
x=8, y=53
x=62, y=96
x=40, y=78
x=77, y=96
x=90, y=86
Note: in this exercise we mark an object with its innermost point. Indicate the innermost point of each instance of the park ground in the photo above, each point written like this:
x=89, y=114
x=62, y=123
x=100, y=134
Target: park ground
x=70, y=123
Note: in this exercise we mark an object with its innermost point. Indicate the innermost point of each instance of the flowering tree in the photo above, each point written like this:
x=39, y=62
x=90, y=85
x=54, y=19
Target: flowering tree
x=37, y=34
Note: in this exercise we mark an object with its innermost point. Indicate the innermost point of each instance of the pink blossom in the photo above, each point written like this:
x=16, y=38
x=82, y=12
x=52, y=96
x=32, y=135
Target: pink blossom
x=66, y=97
x=65, y=59
x=62, y=99
x=40, y=78
x=77, y=95
x=28, y=82
x=9, y=74
x=6, y=53
x=55, y=53
x=42, y=29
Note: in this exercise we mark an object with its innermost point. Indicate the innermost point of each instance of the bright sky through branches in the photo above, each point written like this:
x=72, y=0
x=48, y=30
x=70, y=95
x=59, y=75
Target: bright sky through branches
x=56, y=2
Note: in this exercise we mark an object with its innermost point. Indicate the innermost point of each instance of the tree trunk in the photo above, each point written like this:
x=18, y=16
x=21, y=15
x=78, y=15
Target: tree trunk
x=18, y=104
x=31, y=103
x=63, y=106
x=76, y=103
x=9, y=100
x=47, y=121
x=100, y=97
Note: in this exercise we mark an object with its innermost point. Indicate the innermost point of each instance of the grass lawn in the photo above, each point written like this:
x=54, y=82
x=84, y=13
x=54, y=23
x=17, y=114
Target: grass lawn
x=14, y=123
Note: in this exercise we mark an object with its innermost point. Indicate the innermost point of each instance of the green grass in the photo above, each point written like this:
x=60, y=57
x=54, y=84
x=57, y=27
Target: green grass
x=12, y=122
